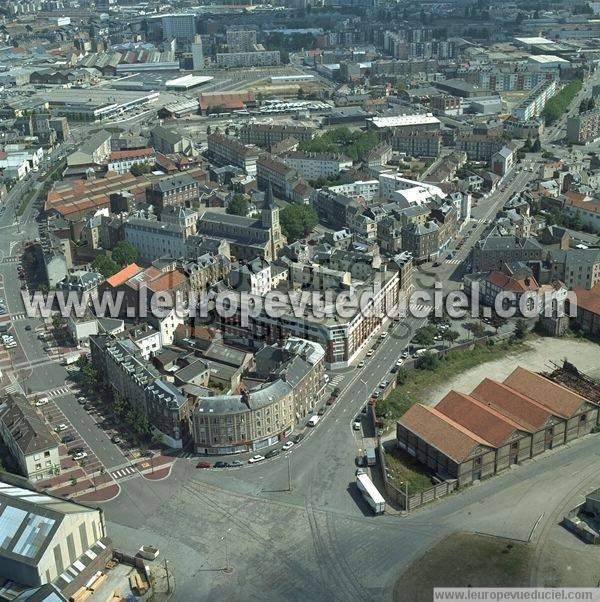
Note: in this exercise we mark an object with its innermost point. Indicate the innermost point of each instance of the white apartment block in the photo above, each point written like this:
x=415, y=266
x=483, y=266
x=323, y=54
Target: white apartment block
x=317, y=165
x=536, y=100
x=155, y=239
x=122, y=161
x=367, y=189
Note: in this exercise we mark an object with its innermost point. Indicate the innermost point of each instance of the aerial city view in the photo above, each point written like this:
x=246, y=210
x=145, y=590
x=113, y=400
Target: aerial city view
x=299, y=301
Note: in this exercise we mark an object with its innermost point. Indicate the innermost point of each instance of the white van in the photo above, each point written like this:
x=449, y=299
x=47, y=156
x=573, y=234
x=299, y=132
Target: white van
x=312, y=421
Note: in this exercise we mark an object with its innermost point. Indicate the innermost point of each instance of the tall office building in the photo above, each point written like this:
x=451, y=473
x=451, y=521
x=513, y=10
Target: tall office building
x=241, y=40
x=197, y=54
x=181, y=27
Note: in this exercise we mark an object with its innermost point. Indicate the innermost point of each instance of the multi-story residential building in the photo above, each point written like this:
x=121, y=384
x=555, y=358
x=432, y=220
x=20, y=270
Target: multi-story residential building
x=421, y=240
x=367, y=190
x=334, y=209
x=226, y=150
x=197, y=54
x=154, y=239
x=393, y=182
x=258, y=418
x=94, y=150
x=181, y=189
x=181, y=27
x=479, y=147
x=584, y=128
x=266, y=135
x=253, y=277
x=417, y=144
x=503, y=160
x=241, y=40
x=122, y=367
x=257, y=58
x=493, y=252
x=281, y=177
x=313, y=166
x=343, y=338
x=29, y=438
x=577, y=268
x=206, y=270
x=52, y=547
x=533, y=104
x=122, y=161
x=581, y=207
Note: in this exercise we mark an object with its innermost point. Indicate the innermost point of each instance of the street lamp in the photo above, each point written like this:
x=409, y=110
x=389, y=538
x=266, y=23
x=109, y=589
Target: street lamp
x=227, y=568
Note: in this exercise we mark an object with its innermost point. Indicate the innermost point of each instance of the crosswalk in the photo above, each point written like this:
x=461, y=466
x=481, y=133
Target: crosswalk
x=57, y=392
x=336, y=380
x=420, y=307
x=453, y=261
x=122, y=473
x=15, y=317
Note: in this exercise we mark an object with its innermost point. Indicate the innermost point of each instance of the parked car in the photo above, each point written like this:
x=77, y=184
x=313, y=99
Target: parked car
x=298, y=438
x=331, y=401
x=81, y=400
x=68, y=439
x=42, y=401
x=116, y=440
x=221, y=464
x=383, y=335
x=203, y=464
x=361, y=364
x=370, y=353
x=321, y=411
x=28, y=327
x=375, y=394
x=61, y=427
x=399, y=362
x=272, y=453
x=287, y=445
x=356, y=425
x=80, y=456
x=255, y=459
x=75, y=450
x=236, y=463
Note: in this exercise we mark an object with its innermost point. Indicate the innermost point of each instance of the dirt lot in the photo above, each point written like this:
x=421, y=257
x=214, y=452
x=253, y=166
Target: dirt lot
x=465, y=560
x=536, y=357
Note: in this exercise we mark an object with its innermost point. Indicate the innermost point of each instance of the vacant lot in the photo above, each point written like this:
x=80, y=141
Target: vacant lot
x=465, y=560
x=403, y=468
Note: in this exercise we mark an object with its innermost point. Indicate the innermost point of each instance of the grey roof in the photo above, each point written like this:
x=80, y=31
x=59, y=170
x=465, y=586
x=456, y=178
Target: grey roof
x=575, y=257
x=26, y=426
x=30, y=519
x=191, y=371
x=175, y=182
x=227, y=355
x=237, y=220
x=507, y=243
x=43, y=593
x=253, y=400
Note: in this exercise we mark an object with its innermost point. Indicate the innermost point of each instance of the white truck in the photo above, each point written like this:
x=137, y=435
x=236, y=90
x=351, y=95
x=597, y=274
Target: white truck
x=312, y=421
x=70, y=359
x=370, y=493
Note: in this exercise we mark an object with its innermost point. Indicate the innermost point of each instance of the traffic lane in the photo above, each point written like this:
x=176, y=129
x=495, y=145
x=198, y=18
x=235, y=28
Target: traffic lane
x=91, y=432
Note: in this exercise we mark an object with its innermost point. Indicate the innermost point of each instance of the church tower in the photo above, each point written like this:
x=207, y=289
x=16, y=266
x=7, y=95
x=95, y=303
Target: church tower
x=270, y=220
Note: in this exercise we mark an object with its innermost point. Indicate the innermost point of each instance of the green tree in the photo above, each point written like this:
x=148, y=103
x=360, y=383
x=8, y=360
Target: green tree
x=105, y=265
x=521, y=329
x=497, y=321
x=536, y=147
x=82, y=361
x=477, y=328
x=238, y=205
x=450, y=336
x=124, y=253
x=425, y=336
x=401, y=376
x=139, y=169
x=429, y=361
x=297, y=221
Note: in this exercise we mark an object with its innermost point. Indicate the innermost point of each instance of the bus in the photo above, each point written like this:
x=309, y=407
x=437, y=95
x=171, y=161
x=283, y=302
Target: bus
x=370, y=493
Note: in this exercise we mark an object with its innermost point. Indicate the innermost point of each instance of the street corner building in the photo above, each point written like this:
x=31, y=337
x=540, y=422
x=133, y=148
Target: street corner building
x=467, y=437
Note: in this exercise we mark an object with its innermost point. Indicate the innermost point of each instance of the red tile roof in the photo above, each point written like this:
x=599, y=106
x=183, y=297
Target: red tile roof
x=439, y=431
x=558, y=399
x=478, y=417
x=508, y=283
x=125, y=274
x=588, y=299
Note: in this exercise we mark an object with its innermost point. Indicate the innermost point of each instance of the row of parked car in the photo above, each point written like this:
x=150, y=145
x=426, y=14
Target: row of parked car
x=254, y=459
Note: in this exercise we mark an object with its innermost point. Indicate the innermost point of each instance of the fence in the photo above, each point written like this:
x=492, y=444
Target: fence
x=403, y=498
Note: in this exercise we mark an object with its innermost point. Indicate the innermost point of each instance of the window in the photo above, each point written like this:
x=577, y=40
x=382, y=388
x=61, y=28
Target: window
x=46, y=454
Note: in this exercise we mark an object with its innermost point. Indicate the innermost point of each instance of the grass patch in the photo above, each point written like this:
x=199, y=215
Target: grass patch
x=403, y=468
x=25, y=201
x=419, y=381
x=465, y=560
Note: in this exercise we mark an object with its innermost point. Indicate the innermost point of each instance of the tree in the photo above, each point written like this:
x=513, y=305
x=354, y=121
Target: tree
x=477, y=328
x=429, y=361
x=425, y=336
x=521, y=329
x=297, y=221
x=105, y=265
x=82, y=362
x=401, y=376
x=139, y=169
x=497, y=321
x=536, y=147
x=124, y=253
x=238, y=205
x=450, y=336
